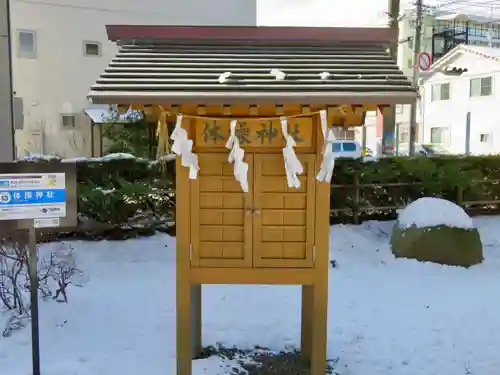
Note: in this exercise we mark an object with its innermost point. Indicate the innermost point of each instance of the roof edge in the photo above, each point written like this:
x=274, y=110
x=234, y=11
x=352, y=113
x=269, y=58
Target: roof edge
x=252, y=33
x=447, y=57
x=214, y=98
x=461, y=48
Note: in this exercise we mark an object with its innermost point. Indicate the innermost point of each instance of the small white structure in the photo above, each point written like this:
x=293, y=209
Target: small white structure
x=460, y=101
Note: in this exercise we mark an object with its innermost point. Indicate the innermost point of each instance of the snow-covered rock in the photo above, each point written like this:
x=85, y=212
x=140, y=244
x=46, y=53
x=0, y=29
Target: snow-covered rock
x=436, y=230
x=431, y=212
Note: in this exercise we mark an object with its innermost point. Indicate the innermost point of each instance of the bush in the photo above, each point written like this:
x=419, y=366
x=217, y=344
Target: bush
x=127, y=196
x=120, y=196
x=375, y=189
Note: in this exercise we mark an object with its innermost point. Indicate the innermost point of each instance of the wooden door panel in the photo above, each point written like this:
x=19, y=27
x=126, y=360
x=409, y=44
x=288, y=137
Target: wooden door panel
x=283, y=228
x=221, y=226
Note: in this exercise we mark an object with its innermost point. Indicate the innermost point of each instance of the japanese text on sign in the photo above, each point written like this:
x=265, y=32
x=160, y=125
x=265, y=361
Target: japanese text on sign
x=28, y=196
x=254, y=133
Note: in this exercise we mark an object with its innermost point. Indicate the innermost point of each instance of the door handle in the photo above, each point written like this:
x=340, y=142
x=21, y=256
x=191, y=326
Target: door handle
x=256, y=212
x=248, y=211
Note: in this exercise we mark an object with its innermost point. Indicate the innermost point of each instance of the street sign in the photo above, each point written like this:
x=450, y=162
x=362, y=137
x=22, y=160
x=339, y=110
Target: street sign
x=38, y=197
x=424, y=61
x=27, y=196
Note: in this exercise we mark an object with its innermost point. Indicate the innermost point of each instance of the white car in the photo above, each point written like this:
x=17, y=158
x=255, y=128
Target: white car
x=346, y=148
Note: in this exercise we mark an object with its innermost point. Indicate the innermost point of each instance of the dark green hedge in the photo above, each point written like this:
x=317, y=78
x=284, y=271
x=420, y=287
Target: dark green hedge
x=137, y=195
x=364, y=190
x=123, y=197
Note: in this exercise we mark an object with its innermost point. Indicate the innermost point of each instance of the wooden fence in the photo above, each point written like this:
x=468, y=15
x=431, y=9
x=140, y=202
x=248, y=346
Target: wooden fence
x=359, y=209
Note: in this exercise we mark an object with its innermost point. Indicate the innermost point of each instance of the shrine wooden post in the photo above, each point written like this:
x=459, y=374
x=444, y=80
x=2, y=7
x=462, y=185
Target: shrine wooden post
x=271, y=234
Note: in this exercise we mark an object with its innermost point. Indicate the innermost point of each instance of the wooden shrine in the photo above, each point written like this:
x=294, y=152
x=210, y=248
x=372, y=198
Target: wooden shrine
x=205, y=77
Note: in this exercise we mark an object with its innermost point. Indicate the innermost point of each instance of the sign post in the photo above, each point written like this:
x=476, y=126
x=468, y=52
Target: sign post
x=36, y=198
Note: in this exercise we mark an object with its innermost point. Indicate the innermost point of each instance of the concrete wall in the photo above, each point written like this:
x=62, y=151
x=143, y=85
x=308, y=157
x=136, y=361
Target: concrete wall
x=6, y=126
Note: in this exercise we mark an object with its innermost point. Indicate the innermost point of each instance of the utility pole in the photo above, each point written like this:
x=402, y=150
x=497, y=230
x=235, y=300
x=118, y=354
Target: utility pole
x=415, y=77
x=7, y=149
x=389, y=120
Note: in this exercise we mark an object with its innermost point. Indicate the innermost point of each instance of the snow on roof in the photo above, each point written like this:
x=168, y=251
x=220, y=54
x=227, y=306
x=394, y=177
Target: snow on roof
x=100, y=114
x=491, y=53
x=108, y=157
x=487, y=51
x=431, y=212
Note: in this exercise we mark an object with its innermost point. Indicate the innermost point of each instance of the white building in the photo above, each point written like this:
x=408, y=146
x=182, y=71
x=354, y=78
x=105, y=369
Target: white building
x=60, y=47
x=476, y=30
x=460, y=111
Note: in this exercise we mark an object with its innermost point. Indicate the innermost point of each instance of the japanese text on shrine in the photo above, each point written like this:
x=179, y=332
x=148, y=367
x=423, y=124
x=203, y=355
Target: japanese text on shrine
x=254, y=133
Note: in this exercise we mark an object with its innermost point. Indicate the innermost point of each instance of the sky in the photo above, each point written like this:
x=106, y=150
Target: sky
x=354, y=12
x=322, y=12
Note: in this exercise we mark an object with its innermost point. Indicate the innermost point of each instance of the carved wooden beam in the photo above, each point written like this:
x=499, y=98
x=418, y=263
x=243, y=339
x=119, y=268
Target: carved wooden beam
x=305, y=109
x=201, y=110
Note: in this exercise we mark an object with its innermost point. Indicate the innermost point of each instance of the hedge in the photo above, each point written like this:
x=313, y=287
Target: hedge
x=121, y=197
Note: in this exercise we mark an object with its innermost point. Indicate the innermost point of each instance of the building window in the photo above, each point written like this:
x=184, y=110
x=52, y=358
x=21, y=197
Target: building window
x=440, y=91
x=438, y=135
x=68, y=121
x=410, y=42
x=404, y=136
x=481, y=86
x=409, y=63
x=92, y=48
x=484, y=138
x=26, y=43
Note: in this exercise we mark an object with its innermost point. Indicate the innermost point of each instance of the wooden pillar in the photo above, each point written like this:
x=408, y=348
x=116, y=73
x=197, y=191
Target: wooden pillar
x=92, y=140
x=184, y=289
x=318, y=294
x=306, y=322
x=100, y=140
x=319, y=327
x=196, y=316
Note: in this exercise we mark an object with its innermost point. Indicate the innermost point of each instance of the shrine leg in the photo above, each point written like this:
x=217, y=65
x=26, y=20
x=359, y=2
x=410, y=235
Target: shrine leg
x=319, y=328
x=184, y=328
x=196, y=292
x=306, y=321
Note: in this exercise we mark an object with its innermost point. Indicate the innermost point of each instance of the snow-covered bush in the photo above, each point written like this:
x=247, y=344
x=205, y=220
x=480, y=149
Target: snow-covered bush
x=57, y=269
x=439, y=231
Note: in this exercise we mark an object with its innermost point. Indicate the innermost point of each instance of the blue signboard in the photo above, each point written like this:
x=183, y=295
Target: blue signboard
x=27, y=196
x=40, y=196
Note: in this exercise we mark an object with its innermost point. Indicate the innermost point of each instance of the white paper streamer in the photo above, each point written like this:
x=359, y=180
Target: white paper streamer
x=328, y=163
x=183, y=146
x=292, y=163
x=236, y=156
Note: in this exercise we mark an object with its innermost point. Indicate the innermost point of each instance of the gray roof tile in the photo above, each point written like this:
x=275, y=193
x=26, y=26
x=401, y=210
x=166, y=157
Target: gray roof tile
x=176, y=72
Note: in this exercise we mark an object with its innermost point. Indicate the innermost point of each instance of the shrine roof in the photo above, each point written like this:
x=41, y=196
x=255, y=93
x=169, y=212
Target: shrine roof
x=157, y=64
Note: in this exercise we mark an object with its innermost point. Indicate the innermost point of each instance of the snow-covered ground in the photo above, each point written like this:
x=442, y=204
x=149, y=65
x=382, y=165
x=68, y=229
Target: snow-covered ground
x=386, y=316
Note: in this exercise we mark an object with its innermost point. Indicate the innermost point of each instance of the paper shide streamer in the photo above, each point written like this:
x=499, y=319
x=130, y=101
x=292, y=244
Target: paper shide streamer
x=236, y=157
x=183, y=147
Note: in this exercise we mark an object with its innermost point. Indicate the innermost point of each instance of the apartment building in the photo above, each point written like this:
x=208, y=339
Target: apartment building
x=60, y=47
x=460, y=99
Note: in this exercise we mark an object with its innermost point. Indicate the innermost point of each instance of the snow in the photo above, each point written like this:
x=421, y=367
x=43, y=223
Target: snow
x=387, y=316
x=100, y=114
x=105, y=158
x=430, y=212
